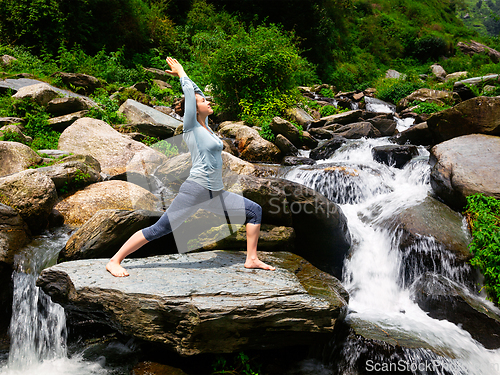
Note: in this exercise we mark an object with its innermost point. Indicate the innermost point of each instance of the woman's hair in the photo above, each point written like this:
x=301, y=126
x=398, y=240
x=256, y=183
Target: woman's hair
x=180, y=107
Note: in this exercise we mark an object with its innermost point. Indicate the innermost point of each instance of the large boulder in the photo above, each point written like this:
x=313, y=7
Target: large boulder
x=328, y=148
x=30, y=193
x=473, y=48
x=301, y=116
x=93, y=137
x=392, y=155
x=429, y=96
x=418, y=134
x=83, y=82
x=62, y=122
x=477, y=115
x=322, y=235
x=14, y=234
x=358, y=130
x=16, y=157
x=444, y=299
x=287, y=130
x=107, y=230
x=148, y=120
x=204, y=302
x=41, y=93
x=464, y=166
x=251, y=146
x=386, y=124
x=67, y=105
x=343, y=118
x=286, y=147
x=71, y=175
x=81, y=206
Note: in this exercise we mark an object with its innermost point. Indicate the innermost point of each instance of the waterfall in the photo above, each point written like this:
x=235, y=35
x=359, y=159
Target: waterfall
x=38, y=326
x=378, y=275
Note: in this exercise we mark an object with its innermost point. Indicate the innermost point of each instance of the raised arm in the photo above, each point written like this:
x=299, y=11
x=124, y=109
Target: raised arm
x=189, y=88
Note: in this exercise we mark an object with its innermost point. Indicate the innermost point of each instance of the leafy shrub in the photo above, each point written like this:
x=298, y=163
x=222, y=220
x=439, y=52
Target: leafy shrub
x=393, y=90
x=328, y=110
x=483, y=215
x=427, y=107
x=255, y=67
x=11, y=136
x=107, y=109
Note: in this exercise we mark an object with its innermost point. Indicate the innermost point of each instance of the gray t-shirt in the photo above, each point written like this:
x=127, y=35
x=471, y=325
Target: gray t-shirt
x=204, y=145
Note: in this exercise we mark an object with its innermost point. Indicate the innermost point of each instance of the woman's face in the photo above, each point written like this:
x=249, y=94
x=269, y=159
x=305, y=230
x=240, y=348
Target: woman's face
x=203, y=106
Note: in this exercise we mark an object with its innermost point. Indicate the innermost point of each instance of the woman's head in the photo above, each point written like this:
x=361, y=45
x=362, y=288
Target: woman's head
x=203, y=106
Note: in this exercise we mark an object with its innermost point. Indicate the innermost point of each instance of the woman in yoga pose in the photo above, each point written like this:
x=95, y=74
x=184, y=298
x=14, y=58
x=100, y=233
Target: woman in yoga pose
x=203, y=185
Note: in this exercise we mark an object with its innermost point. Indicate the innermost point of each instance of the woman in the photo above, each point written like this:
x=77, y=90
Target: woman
x=203, y=188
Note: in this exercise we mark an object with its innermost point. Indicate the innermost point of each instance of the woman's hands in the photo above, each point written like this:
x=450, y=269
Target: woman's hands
x=176, y=68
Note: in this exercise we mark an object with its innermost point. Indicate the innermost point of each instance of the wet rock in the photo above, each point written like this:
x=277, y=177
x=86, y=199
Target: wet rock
x=343, y=118
x=222, y=307
x=16, y=157
x=286, y=147
x=148, y=120
x=14, y=234
x=297, y=160
x=41, y=93
x=322, y=133
x=251, y=146
x=419, y=135
x=328, y=148
x=443, y=298
x=67, y=105
x=479, y=115
x=30, y=193
x=93, y=137
x=386, y=124
x=358, y=130
x=464, y=166
x=81, y=206
x=396, y=156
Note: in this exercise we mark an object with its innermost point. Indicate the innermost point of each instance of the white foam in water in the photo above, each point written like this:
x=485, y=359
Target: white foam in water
x=403, y=124
x=38, y=326
x=372, y=274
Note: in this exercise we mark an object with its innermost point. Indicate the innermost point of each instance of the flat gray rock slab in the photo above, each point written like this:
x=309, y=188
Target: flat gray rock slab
x=16, y=83
x=204, y=302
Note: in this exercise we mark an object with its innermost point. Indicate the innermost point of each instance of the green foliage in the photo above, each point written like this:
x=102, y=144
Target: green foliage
x=484, y=219
x=427, y=107
x=328, y=110
x=107, y=109
x=163, y=146
x=79, y=180
x=11, y=136
x=266, y=132
x=241, y=364
x=256, y=68
x=393, y=90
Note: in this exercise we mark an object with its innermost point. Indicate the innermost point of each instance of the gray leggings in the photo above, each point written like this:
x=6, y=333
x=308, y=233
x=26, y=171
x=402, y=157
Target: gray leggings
x=192, y=196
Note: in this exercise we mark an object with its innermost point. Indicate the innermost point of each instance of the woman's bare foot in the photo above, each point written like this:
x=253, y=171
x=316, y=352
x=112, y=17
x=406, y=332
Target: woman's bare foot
x=116, y=269
x=257, y=263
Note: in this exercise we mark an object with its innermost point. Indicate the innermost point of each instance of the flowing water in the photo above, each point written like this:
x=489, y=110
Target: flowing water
x=376, y=274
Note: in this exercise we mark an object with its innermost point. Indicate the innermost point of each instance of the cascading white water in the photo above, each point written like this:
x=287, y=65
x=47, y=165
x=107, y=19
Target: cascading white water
x=371, y=195
x=38, y=326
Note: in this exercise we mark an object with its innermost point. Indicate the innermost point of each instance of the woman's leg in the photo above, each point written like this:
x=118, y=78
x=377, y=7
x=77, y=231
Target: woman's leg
x=184, y=205
x=135, y=242
x=235, y=206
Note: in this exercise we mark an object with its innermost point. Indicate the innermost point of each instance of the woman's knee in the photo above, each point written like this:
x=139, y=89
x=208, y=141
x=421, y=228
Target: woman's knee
x=254, y=213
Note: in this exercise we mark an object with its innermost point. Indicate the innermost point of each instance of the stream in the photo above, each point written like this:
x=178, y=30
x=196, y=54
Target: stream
x=370, y=195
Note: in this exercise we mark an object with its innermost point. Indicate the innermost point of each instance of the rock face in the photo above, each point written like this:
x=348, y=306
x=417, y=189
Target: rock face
x=96, y=138
x=431, y=96
x=340, y=118
x=16, y=157
x=328, y=148
x=71, y=175
x=31, y=194
x=85, y=82
x=155, y=123
x=251, y=145
x=14, y=233
x=445, y=299
x=464, y=166
x=41, y=93
x=396, y=156
x=477, y=115
x=418, y=134
x=65, y=106
x=287, y=130
x=204, y=302
x=474, y=47
x=81, y=206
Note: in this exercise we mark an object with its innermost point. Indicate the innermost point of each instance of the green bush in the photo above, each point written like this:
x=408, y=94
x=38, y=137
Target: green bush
x=258, y=68
x=393, y=90
x=107, y=109
x=483, y=215
x=426, y=107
